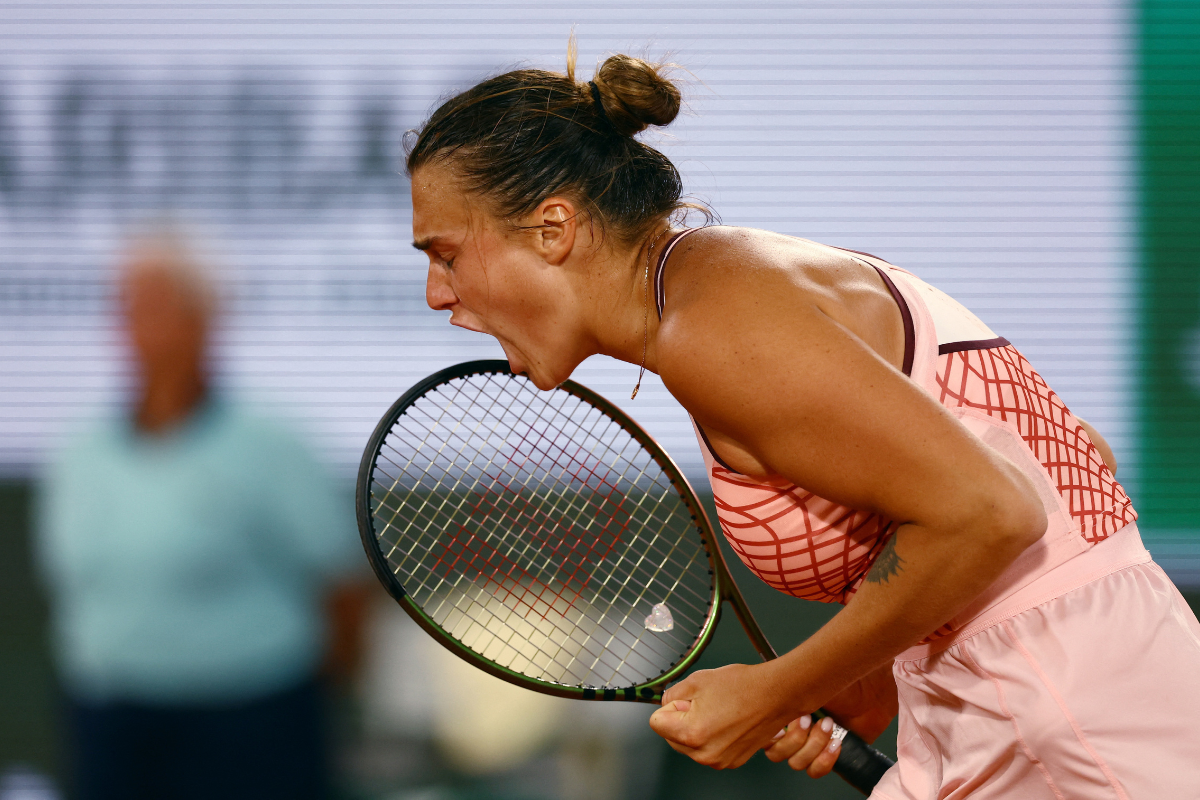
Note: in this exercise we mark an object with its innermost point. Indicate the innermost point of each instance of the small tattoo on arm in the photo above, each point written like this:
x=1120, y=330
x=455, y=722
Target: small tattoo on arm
x=887, y=564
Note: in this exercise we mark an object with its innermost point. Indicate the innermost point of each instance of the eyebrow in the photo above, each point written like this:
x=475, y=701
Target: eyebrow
x=423, y=244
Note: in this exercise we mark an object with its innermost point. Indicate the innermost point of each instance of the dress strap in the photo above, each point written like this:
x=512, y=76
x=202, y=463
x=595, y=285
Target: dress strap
x=910, y=335
x=910, y=332
x=660, y=292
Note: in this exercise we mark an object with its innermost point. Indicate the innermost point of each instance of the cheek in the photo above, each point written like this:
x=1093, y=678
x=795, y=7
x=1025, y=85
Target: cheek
x=481, y=286
x=494, y=279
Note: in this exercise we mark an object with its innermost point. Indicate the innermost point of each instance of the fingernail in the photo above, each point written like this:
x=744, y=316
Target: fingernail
x=779, y=735
x=834, y=744
x=805, y=722
x=827, y=724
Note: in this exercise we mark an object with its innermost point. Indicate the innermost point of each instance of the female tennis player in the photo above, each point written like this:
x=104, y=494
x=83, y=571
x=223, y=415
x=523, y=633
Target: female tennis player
x=869, y=442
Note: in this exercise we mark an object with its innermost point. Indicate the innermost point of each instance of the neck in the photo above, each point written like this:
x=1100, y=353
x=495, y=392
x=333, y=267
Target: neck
x=167, y=400
x=627, y=320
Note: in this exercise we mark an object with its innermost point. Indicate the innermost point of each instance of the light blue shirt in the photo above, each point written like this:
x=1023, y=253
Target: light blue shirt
x=191, y=567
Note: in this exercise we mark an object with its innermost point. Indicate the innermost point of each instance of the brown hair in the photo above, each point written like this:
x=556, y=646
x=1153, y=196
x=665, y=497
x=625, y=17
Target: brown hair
x=526, y=135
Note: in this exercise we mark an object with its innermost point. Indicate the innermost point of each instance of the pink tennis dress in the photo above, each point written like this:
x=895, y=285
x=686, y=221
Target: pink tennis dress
x=1077, y=673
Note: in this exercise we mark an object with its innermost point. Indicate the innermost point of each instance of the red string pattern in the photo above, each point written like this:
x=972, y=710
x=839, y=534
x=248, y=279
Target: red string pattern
x=576, y=544
x=795, y=541
x=1002, y=383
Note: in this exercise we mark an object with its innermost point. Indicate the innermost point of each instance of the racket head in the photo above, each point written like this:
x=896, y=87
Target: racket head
x=532, y=533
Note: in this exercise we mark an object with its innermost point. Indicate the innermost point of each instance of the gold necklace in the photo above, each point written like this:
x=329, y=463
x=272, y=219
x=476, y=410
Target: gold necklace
x=646, y=311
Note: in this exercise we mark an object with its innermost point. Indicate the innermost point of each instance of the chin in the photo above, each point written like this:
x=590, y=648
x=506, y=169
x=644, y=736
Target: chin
x=546, y=384
x=538, y=377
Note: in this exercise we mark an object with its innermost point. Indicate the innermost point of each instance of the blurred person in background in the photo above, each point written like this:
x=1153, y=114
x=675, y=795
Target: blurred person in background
x=190, y=547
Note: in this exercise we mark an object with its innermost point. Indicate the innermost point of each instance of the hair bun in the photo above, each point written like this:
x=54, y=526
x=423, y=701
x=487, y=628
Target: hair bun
x=635, y=94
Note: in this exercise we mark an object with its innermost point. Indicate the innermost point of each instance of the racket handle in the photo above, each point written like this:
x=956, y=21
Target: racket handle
x=859, y=764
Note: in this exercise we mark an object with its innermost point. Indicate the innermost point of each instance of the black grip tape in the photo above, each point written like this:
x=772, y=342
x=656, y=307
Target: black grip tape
x=859, y=764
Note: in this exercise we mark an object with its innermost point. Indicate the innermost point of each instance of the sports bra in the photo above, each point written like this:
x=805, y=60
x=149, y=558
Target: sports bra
x=816, y=549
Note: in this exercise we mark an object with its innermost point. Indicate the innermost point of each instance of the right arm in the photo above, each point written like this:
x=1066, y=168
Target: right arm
x=761, y=363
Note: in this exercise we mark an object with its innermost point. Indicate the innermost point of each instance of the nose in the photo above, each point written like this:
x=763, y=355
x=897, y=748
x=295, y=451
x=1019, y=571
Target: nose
x=439, y=295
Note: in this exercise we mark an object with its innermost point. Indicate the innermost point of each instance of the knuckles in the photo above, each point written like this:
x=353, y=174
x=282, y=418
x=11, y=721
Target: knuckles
x=692, y=738
x=714, y=760
x=784, y=753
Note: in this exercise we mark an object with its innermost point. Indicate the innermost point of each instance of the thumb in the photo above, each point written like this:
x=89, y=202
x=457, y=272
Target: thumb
x=670, y=720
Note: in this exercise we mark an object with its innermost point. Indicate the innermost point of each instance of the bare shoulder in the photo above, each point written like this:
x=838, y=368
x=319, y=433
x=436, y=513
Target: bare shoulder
x=742, y=301
x=712, y=256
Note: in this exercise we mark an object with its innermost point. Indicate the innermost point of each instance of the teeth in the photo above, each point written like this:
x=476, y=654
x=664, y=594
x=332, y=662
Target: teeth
x=660, y=619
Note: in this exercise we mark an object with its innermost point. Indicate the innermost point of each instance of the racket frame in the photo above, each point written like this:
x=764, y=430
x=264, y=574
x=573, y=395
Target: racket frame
x=648, y=692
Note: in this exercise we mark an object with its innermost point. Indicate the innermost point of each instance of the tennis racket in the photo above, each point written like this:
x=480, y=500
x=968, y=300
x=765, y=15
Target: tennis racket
x=548, y=540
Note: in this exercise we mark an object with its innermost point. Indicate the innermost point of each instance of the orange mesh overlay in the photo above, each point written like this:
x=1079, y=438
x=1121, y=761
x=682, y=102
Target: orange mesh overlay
x=795, y=541
x=1002, y=383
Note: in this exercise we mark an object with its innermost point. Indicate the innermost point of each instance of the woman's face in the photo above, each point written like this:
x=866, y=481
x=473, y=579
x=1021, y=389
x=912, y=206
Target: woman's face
x=493, y=280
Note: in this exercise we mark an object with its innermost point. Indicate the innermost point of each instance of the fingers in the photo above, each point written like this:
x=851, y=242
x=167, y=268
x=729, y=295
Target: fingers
x=670, y=721
x=793, y=738
x=807, y=747
x=716, y=717
x=820, y=752
x=686, y=688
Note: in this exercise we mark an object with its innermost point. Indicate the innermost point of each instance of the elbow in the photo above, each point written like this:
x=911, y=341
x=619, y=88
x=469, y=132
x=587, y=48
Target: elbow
x=1018, y=515
x=1003, y=518
x=1025, y=528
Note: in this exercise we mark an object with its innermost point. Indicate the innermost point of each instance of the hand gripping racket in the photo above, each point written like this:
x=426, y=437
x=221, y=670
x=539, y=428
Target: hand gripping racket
x=548, y=540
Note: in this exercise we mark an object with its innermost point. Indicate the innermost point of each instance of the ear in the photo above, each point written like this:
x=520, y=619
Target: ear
x=556, y=220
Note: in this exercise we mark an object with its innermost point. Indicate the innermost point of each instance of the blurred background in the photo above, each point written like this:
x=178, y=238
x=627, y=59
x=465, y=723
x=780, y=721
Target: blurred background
x=1039, y=163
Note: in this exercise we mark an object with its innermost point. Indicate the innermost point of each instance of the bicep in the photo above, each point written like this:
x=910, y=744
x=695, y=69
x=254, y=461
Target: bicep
x=814, y=404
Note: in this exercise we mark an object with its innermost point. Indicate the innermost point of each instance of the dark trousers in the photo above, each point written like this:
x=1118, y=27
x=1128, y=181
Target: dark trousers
x=265, y=748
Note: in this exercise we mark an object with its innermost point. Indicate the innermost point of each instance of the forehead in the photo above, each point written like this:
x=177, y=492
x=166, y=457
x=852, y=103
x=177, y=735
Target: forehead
x=153, y=277
x=440, y=205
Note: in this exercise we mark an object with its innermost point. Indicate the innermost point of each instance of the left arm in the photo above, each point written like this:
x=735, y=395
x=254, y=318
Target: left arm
x=1106, y=452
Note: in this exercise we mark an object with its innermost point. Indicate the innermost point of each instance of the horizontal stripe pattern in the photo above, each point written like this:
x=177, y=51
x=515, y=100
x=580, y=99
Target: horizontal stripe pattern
x=982, y=146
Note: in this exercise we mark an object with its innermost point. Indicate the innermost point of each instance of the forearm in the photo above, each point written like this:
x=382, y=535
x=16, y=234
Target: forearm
x=720, y=717
x=921, y=580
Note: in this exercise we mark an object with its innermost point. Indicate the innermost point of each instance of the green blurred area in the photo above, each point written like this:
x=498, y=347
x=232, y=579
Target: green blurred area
x=28, y=697
x=1167, y=496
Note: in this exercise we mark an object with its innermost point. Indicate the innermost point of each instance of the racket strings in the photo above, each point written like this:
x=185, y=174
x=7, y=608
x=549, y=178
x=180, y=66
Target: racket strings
x=606, y=643
x=538, y=532
x=601, y=417
x=651, y=542
x=582, y=509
